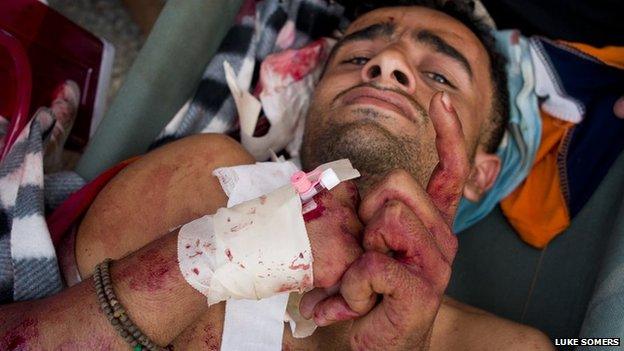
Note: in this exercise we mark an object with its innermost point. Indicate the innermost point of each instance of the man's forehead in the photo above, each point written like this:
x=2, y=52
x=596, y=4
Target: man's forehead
x=397, y=15
x=410, y=18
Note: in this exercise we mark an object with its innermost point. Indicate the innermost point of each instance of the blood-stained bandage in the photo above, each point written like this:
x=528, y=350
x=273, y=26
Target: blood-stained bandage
x=257, y=248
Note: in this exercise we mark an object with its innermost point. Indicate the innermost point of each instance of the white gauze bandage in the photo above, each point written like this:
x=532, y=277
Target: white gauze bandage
x=253, y=250
x=257, y=248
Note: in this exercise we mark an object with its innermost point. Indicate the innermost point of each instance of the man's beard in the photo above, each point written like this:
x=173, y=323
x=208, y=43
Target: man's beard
x=372, y=149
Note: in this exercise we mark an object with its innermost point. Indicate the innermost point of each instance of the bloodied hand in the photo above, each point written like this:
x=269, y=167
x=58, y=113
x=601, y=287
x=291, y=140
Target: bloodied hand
x=334, y=230
x=395, y=288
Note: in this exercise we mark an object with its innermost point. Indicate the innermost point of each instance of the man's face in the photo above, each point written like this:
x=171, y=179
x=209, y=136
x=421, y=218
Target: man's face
x=371, y=104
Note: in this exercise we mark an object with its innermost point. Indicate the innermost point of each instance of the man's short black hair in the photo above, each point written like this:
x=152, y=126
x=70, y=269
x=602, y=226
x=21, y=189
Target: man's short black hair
x=463, y=11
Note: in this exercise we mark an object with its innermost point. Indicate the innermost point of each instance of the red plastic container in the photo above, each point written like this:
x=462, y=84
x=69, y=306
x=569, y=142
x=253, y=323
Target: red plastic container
x=16, y=78
x=56, y=50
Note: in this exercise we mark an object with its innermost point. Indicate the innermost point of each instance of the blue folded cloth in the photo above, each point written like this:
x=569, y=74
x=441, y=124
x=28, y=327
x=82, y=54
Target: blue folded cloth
x=522, y=137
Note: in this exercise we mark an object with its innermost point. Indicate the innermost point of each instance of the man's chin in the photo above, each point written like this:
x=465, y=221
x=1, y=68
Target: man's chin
x=371, y=148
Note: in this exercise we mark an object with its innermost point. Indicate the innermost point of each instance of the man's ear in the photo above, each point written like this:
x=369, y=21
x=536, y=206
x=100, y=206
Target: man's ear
x=485, y=169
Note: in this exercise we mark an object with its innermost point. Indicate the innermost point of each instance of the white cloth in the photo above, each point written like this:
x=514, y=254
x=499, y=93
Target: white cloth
x=556, y=102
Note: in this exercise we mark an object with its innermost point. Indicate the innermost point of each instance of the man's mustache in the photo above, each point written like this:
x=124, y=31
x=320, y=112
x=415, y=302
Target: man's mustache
x=418, y=107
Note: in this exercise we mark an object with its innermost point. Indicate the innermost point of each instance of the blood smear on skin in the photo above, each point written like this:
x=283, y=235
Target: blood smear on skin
x=20, y=336
x=315, y=213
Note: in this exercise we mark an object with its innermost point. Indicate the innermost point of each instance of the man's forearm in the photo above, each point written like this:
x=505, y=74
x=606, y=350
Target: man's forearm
x=149, y=285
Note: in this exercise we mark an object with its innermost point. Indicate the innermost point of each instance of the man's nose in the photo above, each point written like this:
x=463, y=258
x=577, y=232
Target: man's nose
x=390, y=67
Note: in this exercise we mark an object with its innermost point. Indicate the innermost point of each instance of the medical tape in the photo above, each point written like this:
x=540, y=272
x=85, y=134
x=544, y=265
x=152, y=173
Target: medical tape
x=256, y=248
x=253, y=250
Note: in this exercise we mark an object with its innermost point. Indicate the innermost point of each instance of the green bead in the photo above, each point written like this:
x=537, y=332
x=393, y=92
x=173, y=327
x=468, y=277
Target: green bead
x=138, y=348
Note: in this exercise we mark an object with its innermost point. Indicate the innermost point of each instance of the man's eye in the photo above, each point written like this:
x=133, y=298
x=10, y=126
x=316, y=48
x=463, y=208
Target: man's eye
x=438, y=78
x=359, y=61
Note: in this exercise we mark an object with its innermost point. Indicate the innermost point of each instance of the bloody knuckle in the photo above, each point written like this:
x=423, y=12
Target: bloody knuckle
x=391, y=213
x=375, y=262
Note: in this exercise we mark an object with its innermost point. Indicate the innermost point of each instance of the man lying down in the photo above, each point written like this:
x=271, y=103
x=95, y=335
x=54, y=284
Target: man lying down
x=414, y=97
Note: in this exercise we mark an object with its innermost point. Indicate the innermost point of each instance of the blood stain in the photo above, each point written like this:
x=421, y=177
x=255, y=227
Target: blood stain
x=211, y=340
x=228, y=254
x=315, y=213
x=153, y=272
x=287, y=287
x=197, y=253
x=299, y=266
x=241, y=226
x=19, y=337
x=306, y=282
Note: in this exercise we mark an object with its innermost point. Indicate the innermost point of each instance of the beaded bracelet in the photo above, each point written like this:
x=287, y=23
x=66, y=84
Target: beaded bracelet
x=116, y=313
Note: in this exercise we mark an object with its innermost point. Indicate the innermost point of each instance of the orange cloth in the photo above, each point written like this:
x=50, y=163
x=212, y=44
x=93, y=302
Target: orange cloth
x=537, y=209
x=611, y=55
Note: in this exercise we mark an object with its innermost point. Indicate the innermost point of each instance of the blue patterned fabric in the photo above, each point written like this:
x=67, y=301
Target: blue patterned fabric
x=522, y=138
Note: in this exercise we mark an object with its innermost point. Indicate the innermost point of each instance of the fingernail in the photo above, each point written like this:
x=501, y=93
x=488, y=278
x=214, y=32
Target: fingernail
x=446, y=101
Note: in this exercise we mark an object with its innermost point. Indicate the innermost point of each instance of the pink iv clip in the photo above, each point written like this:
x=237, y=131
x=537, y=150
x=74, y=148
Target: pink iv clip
x=310, y=184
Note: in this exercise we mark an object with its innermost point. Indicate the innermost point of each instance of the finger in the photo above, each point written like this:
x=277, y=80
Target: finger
x=448, y=178
x=396, y=325
x=339, y=204
x=399, y=185
x=347, y=193
x=374, y=273
x=331, y=310
x=335, y=240
x=396, y=229
x=312, y=298
x=407, y=310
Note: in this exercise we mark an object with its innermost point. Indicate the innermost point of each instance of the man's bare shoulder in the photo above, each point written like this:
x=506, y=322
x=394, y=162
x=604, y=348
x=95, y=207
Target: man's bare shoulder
x=462, y=327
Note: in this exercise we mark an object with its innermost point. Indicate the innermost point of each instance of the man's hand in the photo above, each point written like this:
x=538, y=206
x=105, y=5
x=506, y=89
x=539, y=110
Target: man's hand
x=409, y=251
x=334, y=231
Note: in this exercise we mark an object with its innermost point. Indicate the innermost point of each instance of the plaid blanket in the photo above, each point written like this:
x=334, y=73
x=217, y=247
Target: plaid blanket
x=253, y=37
x=28, y=263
